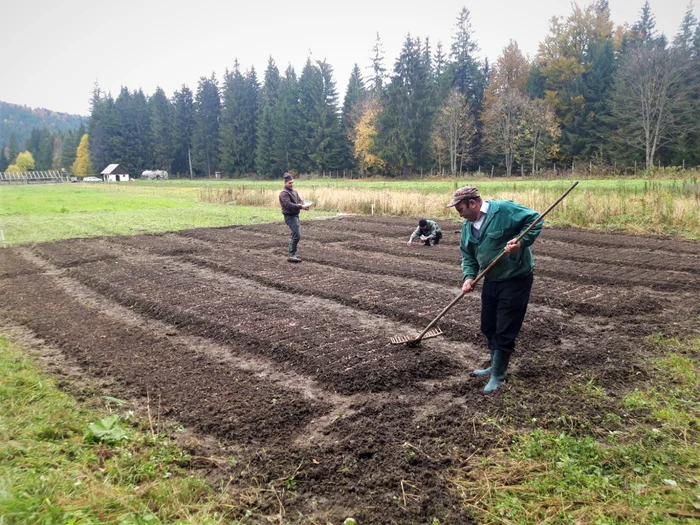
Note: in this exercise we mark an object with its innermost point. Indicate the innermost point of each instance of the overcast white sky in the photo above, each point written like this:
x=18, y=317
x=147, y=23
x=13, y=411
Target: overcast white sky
x=54, y=52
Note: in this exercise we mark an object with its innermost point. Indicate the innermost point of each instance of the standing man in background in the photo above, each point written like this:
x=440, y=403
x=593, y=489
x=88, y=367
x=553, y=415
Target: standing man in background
x=490, y=228
x=291, y=206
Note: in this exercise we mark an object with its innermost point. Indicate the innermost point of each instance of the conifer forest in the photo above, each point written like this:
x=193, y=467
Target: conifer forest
x=596, y=95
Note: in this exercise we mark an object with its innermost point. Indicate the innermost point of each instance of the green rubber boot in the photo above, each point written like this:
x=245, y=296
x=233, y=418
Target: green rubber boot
x=483, y=371
x=499, y=368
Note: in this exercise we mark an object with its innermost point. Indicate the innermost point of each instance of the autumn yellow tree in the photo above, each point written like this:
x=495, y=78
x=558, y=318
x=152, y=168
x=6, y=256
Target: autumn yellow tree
x=82, y=164
x=364, y=135
x=562, y=55
x=24, y=162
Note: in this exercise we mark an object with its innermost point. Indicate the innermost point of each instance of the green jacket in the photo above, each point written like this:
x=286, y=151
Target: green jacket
x=429, y=232
x=505, y=220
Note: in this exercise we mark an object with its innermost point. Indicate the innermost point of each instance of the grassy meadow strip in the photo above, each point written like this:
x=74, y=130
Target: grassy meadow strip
x=647, y=471
x=62, y=462
x=642, y=207
x=38, y=213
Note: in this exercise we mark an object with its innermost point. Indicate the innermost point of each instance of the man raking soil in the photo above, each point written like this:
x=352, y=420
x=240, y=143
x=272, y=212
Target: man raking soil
x=496, y=236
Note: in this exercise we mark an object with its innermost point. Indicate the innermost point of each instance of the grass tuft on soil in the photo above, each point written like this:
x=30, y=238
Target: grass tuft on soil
x=646, y=471
x=51, y=471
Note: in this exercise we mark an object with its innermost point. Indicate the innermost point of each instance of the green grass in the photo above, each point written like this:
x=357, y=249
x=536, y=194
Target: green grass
x=647, y=472
x=51, y=472
x=37, y=213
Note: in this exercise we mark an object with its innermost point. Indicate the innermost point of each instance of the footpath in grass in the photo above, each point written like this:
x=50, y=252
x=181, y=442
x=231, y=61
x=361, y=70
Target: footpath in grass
x=647, y=470
x=61, y=462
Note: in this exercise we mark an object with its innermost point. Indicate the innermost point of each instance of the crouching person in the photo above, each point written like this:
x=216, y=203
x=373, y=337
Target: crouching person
x=428, y=231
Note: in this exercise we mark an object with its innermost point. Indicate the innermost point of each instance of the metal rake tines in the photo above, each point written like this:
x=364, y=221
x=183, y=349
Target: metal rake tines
x=401, y=339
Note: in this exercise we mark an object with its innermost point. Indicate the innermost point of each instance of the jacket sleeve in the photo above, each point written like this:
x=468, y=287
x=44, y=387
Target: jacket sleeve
x=415, y=233
x=470, y=266
x=525, y=217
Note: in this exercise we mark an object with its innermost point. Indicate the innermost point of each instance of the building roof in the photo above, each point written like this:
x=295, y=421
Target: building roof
x=112, y=168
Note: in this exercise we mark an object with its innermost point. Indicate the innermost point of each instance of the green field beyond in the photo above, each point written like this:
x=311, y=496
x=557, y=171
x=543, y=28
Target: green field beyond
x=37, y=213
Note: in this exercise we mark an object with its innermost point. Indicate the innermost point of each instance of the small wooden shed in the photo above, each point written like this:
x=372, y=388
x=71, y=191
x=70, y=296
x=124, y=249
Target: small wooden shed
x=115, y=173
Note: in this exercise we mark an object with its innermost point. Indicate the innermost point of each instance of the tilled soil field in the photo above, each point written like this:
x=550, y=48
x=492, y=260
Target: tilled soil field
x=289, y=367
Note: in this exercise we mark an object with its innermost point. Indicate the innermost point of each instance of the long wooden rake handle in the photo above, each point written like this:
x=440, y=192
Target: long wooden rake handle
x=493, y=263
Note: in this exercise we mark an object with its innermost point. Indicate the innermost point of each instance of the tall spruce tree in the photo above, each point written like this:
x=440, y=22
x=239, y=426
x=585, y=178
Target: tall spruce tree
x=686, y=47
x=12, y=149
x=161, y=131
x=269, y=98
x=468, y=76
x=355, y=95
x=103, y=130
x=251, y=103
x=44, y=153
x=406, y=118
x=206, y=129
x=183, y=129
x=464, y=66
x=378, y=68
x=4, y=163
x=288, y=148
x=233, y=113
x=318, y=101
x=69, y=147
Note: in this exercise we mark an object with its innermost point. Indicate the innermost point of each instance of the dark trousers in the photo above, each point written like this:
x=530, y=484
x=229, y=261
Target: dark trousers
x=503, y=307
x=436, y=239
x=293, y=223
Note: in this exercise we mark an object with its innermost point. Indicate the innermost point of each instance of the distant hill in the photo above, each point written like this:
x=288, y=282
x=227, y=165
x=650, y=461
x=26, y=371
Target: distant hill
x=21, y=119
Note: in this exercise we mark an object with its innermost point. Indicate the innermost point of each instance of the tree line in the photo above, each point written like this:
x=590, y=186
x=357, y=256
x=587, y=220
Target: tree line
x=595, y=93
x=46, y=150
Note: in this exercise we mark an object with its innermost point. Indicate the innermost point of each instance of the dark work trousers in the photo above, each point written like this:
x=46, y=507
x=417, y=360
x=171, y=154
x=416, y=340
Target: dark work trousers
x=293, y=223
x=503, y=307
x=436, y=239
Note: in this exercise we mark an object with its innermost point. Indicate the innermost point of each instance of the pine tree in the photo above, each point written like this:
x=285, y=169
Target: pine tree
x=288, y=148
x=686, y=47
x=231, y=140
x=103, y=129
x=406, y=118
x=12, y=149
x=355, y=95
x=251, y=103
x=161, y=132
x=69, y=147
x=265, y=131
x=318, y=101
x=466, y=74
x=536, y=82
x=44, y=154
x=206, y=130
x=183, y=129
x=378, y=69
x=464, y=66
x=4, y=163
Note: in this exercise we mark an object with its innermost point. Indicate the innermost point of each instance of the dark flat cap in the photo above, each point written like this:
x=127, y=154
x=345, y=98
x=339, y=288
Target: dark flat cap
x=466, y=192
x=287, y=177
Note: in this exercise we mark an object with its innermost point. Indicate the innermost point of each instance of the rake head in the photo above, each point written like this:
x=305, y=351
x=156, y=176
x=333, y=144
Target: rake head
x=415, y=341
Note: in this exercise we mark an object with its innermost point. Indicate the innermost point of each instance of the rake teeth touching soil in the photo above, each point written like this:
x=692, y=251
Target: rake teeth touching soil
x=406, y=339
